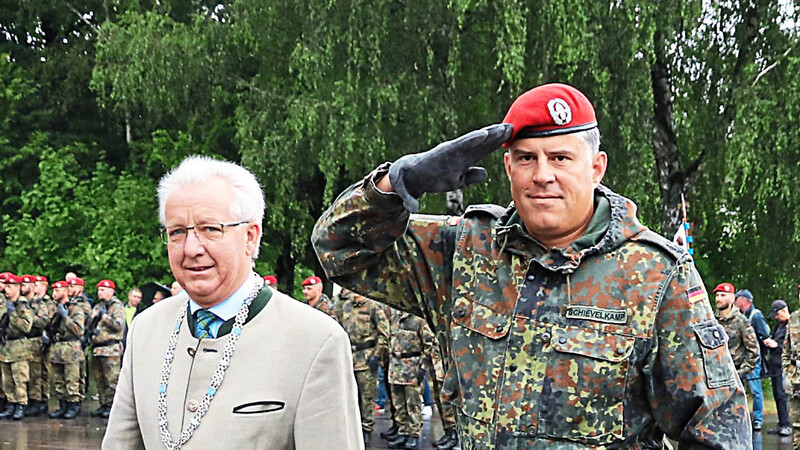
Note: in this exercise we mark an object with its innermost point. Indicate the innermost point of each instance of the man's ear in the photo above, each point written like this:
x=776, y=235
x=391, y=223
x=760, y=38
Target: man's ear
x=599, y=166
x=251, y=236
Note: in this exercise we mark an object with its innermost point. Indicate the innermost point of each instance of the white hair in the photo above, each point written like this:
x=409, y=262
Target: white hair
x=592, y=139
x=247, y=202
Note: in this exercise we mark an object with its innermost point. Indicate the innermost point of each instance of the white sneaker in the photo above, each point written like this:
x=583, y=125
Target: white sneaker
x=427, y=412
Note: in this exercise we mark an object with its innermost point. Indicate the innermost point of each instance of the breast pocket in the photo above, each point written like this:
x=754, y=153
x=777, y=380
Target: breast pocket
x=478, y=342
x=584, y=387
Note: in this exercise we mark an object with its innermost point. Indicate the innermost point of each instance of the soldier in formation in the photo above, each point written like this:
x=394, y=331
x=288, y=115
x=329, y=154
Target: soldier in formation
x=562, y=293
x=368, y=329
x=15, y=353
x=65, y=329
x=436, y=372
x=35, y=288
x=77, y=295
x=312, y=292
x=106, y=326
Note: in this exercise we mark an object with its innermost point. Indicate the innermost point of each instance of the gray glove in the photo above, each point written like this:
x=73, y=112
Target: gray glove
x=446, y=167
x=10, y=306
x=62, y=311
x=103, y=310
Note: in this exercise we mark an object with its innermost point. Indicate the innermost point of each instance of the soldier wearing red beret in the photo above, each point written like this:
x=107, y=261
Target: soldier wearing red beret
x=105, y=329
x=76, y=295
x=523, y=294
x=312, y=292
x=15, y=353
x=43, y=309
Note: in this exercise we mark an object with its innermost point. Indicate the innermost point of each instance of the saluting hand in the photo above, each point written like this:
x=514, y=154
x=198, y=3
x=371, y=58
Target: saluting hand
x=62, y=310
x=446, y=167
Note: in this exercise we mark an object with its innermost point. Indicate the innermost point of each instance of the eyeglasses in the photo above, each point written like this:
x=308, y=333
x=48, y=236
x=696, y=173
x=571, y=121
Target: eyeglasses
x=203, y=231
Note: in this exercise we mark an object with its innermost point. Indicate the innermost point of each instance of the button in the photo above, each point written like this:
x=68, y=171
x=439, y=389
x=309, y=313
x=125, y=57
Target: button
x=461, y=312
x=546, y=337
x=190, y=351
x=192, y=405
x=562, y=340
x=531, y=277
x=500, y=328
x=620, y=351
x=512, y=368
x=716, y=334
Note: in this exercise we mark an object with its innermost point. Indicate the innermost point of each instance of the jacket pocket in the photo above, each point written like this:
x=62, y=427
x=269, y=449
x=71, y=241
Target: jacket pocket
x=478, y=343
x=716, y=359
x=584, y=386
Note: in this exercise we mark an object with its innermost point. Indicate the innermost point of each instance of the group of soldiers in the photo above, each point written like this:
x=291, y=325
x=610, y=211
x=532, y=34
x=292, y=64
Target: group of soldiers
x=47, y=339
x=404, y=347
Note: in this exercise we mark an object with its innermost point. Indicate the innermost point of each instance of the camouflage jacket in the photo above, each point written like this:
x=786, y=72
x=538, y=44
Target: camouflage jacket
x=326, y=305
x=790, y=358
x=410, y=341
x=107, y=339
x=367, y=327
x=68, y=332
x=598, y=346
x=742, y=341
x=20, y=321
x=43, y=309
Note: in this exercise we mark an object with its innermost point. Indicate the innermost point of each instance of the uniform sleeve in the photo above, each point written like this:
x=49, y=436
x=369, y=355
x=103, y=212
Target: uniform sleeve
x=22, y=319
x=42, y=315
x=114, y=319
x=751, y=350
x=123, y=430
x=382, y=324
x=327, y=413
x=369, y=243
x=693, y=390
x=76, y=321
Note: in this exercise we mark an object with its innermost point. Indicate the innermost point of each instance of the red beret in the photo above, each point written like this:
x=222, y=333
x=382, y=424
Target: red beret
x=725, y=287
x=550, y=110
x=107, y=283
x=310, y=281
x=76, y=280
x=4, y=276
x=13, y=279
x=41, y=278
x=270, y=280
x=28, y=278
x=60, y=284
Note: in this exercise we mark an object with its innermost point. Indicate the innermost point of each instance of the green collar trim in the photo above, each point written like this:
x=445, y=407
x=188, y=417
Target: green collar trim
x=256, y=306
x=597, y=226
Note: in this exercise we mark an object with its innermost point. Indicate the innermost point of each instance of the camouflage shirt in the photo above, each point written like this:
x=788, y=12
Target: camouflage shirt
x=790, y=359
x=20, y=321
x=742, y=341
x=68, y=331
x=367, y=327
x=326, y=305
x=608, y=343
x=410, y=341
x=107, y=340
x=43, y=309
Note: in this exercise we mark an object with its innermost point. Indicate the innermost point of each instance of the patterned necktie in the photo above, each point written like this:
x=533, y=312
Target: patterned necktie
x=202, y=327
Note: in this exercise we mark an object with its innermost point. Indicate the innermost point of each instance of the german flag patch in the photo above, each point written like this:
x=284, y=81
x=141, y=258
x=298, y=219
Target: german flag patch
x=696, y=294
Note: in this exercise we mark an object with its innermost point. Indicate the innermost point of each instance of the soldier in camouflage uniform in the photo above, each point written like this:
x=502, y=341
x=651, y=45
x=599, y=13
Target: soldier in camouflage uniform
x=410, y=339
x=3, y=277
x=38, y=384
x=109, y=314
x=790, y=361
x=568, y=322
x=742, y=339
x=77, y=295
x=312, y=291
x=436, y=372
x=66, y=328
x=16, y=352
x=368, y=329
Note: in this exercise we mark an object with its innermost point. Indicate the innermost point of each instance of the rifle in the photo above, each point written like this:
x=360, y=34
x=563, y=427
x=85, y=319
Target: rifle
x=49, y=333
x=4, y=327
x=91, y=330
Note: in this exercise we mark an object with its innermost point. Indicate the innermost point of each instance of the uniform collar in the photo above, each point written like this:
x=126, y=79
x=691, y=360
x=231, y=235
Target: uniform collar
x=230, y=306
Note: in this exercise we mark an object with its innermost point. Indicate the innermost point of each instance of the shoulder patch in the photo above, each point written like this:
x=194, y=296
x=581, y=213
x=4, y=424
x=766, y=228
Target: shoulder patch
x=655, y=239
x=495, y=211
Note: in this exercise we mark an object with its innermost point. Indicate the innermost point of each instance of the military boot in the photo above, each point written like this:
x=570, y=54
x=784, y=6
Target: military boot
x=19, y=412
x=391, y=433
x=411, y=442
x=59, y=413
x=450, y=443
x=32, y=409
x=98, y=411
x=72, y=411
x=398, y=442
x=8, y=412
x=445, y=437
x=106, y=412
x=44, y=406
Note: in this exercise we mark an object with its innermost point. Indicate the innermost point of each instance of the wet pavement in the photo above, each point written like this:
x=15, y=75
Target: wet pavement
x=87, y=433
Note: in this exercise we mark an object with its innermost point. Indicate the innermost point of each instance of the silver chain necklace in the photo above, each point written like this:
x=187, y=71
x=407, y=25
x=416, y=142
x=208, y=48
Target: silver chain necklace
x=216, y=379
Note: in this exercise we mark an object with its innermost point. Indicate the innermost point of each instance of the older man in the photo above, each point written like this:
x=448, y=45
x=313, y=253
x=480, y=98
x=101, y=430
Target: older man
x=229, y=362
x=568, y=323
x=744, y=301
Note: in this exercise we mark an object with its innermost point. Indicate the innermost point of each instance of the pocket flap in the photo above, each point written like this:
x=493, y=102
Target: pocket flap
x=592, y=343
x=710, y=333
x=481, y=319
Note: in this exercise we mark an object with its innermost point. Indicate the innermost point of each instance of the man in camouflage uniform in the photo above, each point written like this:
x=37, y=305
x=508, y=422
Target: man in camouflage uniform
x=43, y=309
x=368, y=329
x=109, y=316
x=410, y=339
x=436, y=372
x=312, y=292
x=77, y=295
x=568, y=322
x=16, y=353
x=790, y=360
x=3, y=277
x=742, y=340
x=65, y=328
